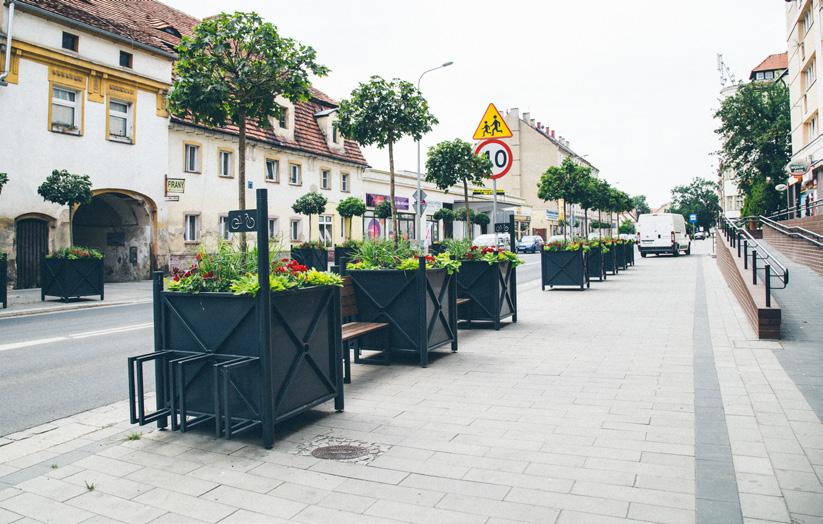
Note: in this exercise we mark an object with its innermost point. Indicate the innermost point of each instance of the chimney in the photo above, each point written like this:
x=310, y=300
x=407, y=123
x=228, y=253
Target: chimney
x=540, y=125
x=531, y=122
x=553, y=133
x=514, y=111
x=526, y=116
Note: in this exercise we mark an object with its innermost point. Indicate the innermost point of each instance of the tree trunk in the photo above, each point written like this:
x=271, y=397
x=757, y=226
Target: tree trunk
x=468, y=210
x=241, y=175
x=309, y=239
x=566, y=220
x=71, y=227
x=394, y=219
x=600, y=224
x=586, y=222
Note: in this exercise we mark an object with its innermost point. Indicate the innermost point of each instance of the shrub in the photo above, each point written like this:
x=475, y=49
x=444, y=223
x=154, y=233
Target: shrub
x=387, y=254
x=76, y=253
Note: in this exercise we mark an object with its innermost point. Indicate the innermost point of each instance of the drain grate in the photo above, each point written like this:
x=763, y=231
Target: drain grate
x=340, y=452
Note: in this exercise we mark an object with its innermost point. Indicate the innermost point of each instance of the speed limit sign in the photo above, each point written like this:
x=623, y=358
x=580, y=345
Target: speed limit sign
x=500, y=155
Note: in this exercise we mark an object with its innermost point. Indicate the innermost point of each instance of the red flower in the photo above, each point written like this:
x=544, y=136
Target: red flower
x=208, y=275
x=473, y=248
x=198, y=257
x=176, y=278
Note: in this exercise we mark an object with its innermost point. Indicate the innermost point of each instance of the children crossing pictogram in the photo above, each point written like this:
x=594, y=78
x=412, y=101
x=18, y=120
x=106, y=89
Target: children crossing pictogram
x=492, y=125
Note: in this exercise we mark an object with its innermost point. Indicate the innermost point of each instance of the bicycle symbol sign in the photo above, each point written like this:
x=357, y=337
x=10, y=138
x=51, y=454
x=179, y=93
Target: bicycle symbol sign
x=242, y=221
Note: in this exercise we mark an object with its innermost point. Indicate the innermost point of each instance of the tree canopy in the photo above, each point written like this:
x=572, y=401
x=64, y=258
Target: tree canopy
x=640, y=205
x=755, y=132
x=380, y=113
x=66, y=189
x=312, y=203
x=351, y=207
x=698, y=197
x=566, y=181
x=453, y=162
x=383, y=210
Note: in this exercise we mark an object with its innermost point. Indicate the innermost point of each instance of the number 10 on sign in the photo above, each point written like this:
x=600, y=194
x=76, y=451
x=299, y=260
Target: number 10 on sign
x=500, y=155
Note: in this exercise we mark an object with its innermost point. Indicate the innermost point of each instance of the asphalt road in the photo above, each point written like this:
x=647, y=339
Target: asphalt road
x=55, y=365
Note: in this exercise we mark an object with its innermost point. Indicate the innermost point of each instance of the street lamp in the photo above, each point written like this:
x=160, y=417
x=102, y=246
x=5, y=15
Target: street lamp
x=421, y=239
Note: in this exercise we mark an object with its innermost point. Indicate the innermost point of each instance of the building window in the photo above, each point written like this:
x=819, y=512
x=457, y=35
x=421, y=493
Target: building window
x=325, y=179
x=126, y=59
x=272, y=171
x=810, y=74
x=225, y=165
x=294, y=233
x=70, y=41
x=768, y=75
x=65, y=110
x=811, y=129
x=808, y=21
x=191, y=232
x=192, y=160
x=344, y=182
x=223, y=227
x=758, y=75
x=326, y=230
x=274, y=228
x=283, y=119
x=295, y=175
x=120, y=120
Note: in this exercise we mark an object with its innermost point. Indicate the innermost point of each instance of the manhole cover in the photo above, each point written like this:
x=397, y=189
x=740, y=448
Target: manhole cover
x=340, y=452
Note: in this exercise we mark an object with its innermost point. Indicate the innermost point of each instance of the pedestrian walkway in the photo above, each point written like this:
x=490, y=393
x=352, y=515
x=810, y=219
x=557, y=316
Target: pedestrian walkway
x=802, y=309
x=27, y=301
x=645, y=399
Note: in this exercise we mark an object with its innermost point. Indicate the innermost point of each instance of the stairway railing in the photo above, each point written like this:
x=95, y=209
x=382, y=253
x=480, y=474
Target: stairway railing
x=755, y=257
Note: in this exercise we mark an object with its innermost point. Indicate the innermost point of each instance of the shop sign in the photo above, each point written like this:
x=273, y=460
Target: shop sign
x=489, y=192
x=798, y=168
x=552, y=215
x=175, y=185
x=374, y=200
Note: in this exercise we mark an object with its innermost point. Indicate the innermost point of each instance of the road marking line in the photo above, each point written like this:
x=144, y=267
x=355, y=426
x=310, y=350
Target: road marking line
x=86, y=334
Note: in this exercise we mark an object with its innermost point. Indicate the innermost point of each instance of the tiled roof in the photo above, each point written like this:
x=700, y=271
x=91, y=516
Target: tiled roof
x=308, y=137
x=148, y=22
x=773, y=63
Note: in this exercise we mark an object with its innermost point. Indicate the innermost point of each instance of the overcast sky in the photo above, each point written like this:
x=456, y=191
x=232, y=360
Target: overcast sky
x=631, y=84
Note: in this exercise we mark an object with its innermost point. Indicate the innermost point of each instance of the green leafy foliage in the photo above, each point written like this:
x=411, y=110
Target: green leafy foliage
x=453, y=162
x=565, y=182
x=698, y=197
x=458, y=249
x=312, y=244
x=312, y=203
x=4, y=178
x=554, y=247
x=383, y=210
x=351, y=244
x=76, y=253
x=481, y=219
x=599, y=224
x=66, y=189
x=627, y=227
x=445, y=214
x=380, y=113
x=351, y=207
x=755, y=134
x=640, y=205
x=761, y=200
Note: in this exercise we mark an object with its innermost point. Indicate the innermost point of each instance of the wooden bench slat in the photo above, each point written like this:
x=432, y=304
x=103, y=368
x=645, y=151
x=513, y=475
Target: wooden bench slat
x=357, y=329
x=461, y=301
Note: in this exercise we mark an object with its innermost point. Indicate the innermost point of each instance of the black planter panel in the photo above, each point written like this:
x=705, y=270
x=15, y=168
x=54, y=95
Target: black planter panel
x=594, y=264
x=563, y=268
x=343, y=252
x=490, y=289
x=4, y=282
x=313, y=258
x=610, y=261
x=71, y=278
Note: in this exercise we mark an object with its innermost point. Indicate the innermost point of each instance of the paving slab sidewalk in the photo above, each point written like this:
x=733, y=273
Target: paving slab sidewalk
x=27, y=301
x=582, y=412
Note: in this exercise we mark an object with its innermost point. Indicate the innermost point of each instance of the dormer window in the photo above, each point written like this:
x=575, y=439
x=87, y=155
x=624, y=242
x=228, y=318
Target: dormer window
x=336, y=137
x=283, y=119
x=70, y=41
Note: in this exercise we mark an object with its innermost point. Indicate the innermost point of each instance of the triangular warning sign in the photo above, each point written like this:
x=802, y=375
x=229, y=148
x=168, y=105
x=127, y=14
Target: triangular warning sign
x=492, y=125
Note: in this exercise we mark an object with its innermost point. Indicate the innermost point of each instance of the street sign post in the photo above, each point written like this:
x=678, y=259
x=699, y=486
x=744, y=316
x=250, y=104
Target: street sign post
x=500, y=155
x=693, y=218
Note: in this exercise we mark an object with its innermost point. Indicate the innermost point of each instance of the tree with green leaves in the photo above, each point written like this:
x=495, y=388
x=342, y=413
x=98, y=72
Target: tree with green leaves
x=588, y=197
x=755, y=134
x=312, y=203
x=619, y=202
x=4, y=178
x=383, y=211
x=447, y=216
x=698, y=197
x=640, y=206
x=381, y=113
x=563, y=182
x=627, y=228
x=453, y=162
x=350, y=207
x=66, y=189
x=232, y=69
x=602, y=202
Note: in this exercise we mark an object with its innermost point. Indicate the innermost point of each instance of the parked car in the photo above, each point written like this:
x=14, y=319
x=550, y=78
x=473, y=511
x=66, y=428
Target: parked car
x=492, y=240
x=700, y=235
x=663, y=233
x=530, y=244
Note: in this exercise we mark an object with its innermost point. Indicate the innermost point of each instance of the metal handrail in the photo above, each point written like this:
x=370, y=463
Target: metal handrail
x=796, y=211
x=793, y=231
x=739, y=238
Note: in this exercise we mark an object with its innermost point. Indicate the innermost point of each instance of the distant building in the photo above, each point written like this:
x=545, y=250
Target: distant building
x=804, y=44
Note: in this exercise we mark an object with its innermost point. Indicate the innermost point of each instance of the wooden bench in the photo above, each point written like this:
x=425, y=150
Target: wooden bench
x=462, y=302
x=354, y=330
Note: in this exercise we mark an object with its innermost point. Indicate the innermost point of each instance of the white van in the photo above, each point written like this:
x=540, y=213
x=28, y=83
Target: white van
x=663, y=233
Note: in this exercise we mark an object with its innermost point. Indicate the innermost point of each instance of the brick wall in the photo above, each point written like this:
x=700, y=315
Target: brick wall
x=765, y=321
x=796, y=249
x=813, y=224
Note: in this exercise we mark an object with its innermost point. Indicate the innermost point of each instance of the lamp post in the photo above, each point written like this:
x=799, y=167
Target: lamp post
x=421, y=239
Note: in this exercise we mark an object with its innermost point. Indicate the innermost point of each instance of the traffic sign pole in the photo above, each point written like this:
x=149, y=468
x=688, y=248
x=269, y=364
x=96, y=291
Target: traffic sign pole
x=494, y=207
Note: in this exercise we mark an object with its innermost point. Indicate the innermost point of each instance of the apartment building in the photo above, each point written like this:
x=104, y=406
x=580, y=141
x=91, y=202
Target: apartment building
x=803, y=26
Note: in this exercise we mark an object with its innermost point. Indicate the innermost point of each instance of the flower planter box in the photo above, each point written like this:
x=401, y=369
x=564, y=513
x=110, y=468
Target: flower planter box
x=311, y=257
x=491, y=290
x=622, y=256
x=223, y=360
x=67, y=279
x=595, y=264
x=630, y=252
x=420, y=307
x=436, y=249
x=564, y=268
x=610, y=261
x=4, y=283
x=341, y=253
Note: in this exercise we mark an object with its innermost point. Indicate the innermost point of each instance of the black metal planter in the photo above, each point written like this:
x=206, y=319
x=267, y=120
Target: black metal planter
x=4, y=283
x=67, y=279
x=622, y=256
x=436, y=249
x=311, y=257
x=420, y=307
x=491, y=290
x=630, y=251
x=595, y=264
x=223, y=360
x=564, y=268
x=610, y=260
x=343, y=252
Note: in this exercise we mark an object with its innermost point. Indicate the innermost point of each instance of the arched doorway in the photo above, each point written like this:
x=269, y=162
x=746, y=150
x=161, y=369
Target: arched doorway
x=120, y=224
x=32, y=239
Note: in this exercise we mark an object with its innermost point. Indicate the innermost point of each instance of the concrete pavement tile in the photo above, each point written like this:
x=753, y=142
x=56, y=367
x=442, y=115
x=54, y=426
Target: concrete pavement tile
x=241, y=516
x=44, y=509
x=421, y=514
x=496, y=508
x=52, y=488
x=804, y=503
x=635, y=494
x=463, y=487
x=791, y=462
x=582, y=503
x=662, y=514
x=799, y=481
x=342, y=469
x=757, y=465
x=266, y=504
x=159, y=478
x=347, y=502
x=117, y=486
x=236, y=479
x=410, y=495
x=758, y=484
x=305, y=477
x=7, y=517
x=114, y=467
x=186, y=505
x=174, y=518
x=321, y=515
x=507, y=480
x=764, y=507
x=113, y=507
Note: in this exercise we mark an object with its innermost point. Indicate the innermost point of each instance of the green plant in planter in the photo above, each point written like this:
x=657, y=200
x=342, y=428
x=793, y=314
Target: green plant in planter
x=388, y=254
x=76, y=253
x=312, y=203
x=445, y=214
x=312, y=244
x=3, y=256
x=554, y=247
x=458, y=249
x=348, y=208
x=66, y=189
x=351, y=244
x=481, y=219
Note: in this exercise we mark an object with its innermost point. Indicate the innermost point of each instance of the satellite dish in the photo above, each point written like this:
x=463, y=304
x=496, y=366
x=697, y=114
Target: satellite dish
x=781, y=187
